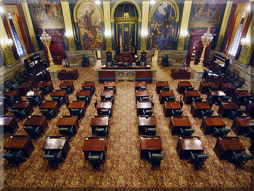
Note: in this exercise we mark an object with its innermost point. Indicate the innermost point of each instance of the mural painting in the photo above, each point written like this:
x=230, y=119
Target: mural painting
x=206, y=13
x=47, y=14
x=162, y=26
x=90, y=26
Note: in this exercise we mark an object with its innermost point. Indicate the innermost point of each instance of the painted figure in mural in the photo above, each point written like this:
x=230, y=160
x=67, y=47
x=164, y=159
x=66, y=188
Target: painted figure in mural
x=86, y=40
x=88, y=20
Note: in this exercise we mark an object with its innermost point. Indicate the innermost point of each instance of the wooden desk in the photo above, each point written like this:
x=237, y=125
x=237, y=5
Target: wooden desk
x=8, y=124
x=182, y=85
x=25, y=87
x=161, y=84
x=89, y=84
x=67, y=84
x=94, y=144
x=196, y=107
x=36, y=120
x=107, y=93
x=250, y=109
x=242, y=93
x=225, y=145
x=188, y=95
x=16, y=142
x=56, y=143
x=169, y=106
x=178, y=74
x=164, y=94
x=215, y=95
x=225, y=108
x=149, y=143
x=84, y=93
x=141, y=105
x=35, y=94
x=67, y=121
x=140, y=84
x=187, y=144
x=99, y=121
x=77, y=105
x=210, y=122
x=104, y=105
x=47, y=84
x=240, y=124
x=227, y=88
x=178, y=122
x=203, y=87
x=50, y=105
x=20, y=105
x=68, y=74
x=14, y=93
x=109, y=84
x=146, y=122
x=141, y=93
x=60, y=93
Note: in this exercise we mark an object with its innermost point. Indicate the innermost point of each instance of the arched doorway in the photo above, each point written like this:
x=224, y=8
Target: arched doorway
x=126, y=24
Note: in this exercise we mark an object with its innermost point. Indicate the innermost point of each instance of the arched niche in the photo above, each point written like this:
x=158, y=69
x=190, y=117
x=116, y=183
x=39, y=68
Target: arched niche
x=88, y=18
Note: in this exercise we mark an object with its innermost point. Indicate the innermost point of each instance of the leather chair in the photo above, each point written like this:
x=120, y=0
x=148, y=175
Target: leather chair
x=59, y=100
x=19, y=113
x=150, y=130
x=155, y=157
x=197, y=99
x=207, y=112
x=78, y=112
x=220, y=131
x=95, y=158
x=142, y=88
x=85, y=62
x=49, y=113
x=101, y=131
x=250, y=132
x=188, y=88
x=89, y=88
x=165, y=62
x=68, y=89
x=105, y=112
x=186, y=132
x=223, y=99
x=147, y=112
x=112, y=88
x=244, y=100
x=213, y=88
x=45, y=89
x=198, y=158
x=67, y=130
x=83, y=98
x=170, y=98
x=33, y=131
x=14, y=156
x=240, y=157
x=236, y=113
x=144, y=98
x=177, y=112
x=34, y=100
x=9, y=100
x=165, y=88
x=238, y=83
x=54, y=156
x=108, y=98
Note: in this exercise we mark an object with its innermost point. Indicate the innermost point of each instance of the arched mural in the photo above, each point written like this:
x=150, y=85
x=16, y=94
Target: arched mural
x=90, y=26
x=162, y=26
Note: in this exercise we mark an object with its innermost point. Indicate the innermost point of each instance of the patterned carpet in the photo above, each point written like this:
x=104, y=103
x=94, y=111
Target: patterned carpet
x=123, y=167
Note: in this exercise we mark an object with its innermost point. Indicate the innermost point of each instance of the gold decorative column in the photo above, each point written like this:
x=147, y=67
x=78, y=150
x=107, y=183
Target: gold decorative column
x=68, y=25
x=30, y=27
x=184, y=25
x=144, y=24
x=107, y=24
x=224, y=24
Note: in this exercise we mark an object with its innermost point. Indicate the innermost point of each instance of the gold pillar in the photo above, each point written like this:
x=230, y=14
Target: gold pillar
x=224, y=24
x=68, y=25
x=107, y=24
x=30, y=27
x=144, y=24
x=7, y=49
x=247, y=51
x=184, y=24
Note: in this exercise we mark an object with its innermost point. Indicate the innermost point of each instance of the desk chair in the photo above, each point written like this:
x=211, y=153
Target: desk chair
x=142, y=88
x=250, y=132
x=59, y=100
x=238, y=83
x=33, y=131
x=223, y=99
x=170, y=98
x=34, y=100
x=206, y=112
x=14, y=156
x=49, y=113
x=95, y=158
x=165, y=88
x=197, y=99
x=213, y=88
x=113, y=88
x=150, y=130
x=188, y=88
x=78, y=112
x=19, y=113
x=144, y=98
x=155, y=157
x=220, y=131
x=105, y=112
x=244, y=100
x=68, y=89
x=45, y=89
x=53, y=156
x=148, y=112
x=9, y=100
x=67, y=130
x=89, y=88
x=198, y=157
x=177, y=112
x=85, y=62
x=240, y=157
x=83, y=98
x=236, y=113
x=106, y=98
x=165, y=62
x=186, y=132
x=101, y=131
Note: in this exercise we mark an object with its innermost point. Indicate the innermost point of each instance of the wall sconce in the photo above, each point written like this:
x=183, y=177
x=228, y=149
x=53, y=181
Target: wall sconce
x=97, y=2
x=182, y=37
x=152, y=2
x=144, y=34
x=245, y=44
x=69, y=36
x=1, y=9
